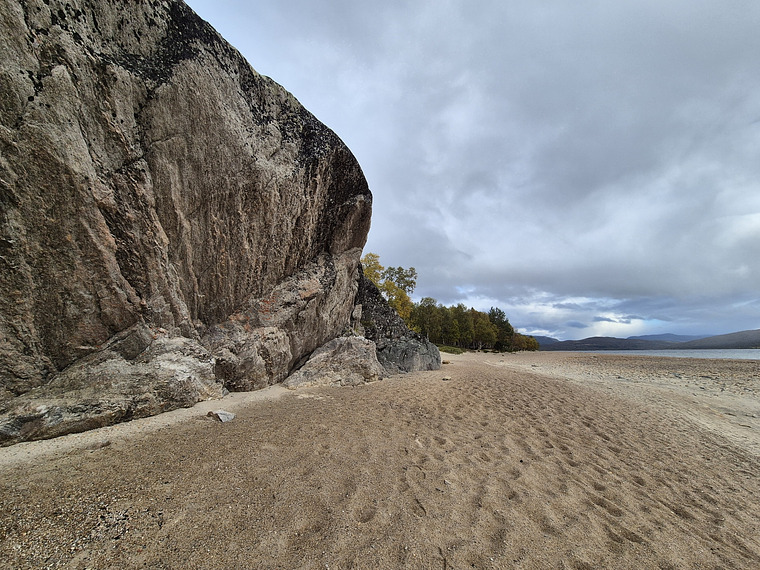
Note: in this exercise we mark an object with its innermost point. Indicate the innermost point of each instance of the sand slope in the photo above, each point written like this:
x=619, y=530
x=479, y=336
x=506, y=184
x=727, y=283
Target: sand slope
x=499, y=467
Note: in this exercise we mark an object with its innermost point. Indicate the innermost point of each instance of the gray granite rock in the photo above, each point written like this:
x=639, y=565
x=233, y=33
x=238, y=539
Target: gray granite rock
x=172, y=223
x=106, y=387
x=344, y=361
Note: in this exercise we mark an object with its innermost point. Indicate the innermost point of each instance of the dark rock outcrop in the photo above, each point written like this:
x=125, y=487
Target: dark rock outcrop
x=172, y=223
x=399, y=349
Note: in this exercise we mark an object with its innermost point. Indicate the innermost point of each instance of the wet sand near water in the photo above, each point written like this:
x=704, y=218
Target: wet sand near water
x=518, y=461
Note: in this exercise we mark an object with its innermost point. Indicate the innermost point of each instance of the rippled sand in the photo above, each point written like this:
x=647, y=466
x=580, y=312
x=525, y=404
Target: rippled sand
x=534, y=460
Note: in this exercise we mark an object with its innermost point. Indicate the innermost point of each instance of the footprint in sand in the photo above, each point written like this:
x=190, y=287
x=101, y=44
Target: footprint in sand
x=411, y=478
x=418, y=509
x=547, y=527
x=415, y=473
x=365, y=514
x=680, y=510
x=603, y=435
x=624, y=535
x=630, y=535
x=606, y=505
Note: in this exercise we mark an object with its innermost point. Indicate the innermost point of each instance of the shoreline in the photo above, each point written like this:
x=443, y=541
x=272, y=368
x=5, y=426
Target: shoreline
x=696, y=353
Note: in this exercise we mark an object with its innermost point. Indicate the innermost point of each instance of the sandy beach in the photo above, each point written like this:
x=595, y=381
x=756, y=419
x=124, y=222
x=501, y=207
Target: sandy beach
x=533, y=460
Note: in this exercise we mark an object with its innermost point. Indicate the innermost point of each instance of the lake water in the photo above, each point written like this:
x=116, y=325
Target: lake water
x=734, y=354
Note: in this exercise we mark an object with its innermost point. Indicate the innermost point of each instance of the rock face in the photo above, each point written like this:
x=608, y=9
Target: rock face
x=112, y=385
x=344, y=361
x=172, y=224
x=399, y=350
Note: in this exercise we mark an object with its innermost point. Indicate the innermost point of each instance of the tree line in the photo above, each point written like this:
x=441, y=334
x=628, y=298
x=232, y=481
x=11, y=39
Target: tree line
x=455, y=326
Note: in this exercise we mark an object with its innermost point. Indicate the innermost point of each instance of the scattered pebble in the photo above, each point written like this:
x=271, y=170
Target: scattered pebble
x=98, y=445
x=222, y=415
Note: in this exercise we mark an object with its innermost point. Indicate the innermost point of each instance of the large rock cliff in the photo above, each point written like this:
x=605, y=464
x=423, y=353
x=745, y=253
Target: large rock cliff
x=172, y=224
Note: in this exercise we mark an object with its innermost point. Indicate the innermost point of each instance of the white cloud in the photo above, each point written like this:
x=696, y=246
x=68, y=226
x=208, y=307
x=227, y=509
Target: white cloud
x=529, y=155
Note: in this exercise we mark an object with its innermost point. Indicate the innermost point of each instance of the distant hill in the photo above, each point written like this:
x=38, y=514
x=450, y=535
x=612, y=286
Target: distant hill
x=743, y=339
x=607, y=343
x=737, y=340
x=544, y=340
x=668, y=337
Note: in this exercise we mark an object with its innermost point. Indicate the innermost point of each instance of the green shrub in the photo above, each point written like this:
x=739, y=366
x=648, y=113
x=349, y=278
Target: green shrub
x=450, y=349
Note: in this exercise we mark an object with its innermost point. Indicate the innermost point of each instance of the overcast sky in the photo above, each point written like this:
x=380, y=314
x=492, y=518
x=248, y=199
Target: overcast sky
x=590, y=167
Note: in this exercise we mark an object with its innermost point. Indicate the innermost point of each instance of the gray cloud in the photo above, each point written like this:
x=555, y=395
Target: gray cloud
x=574, y=162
